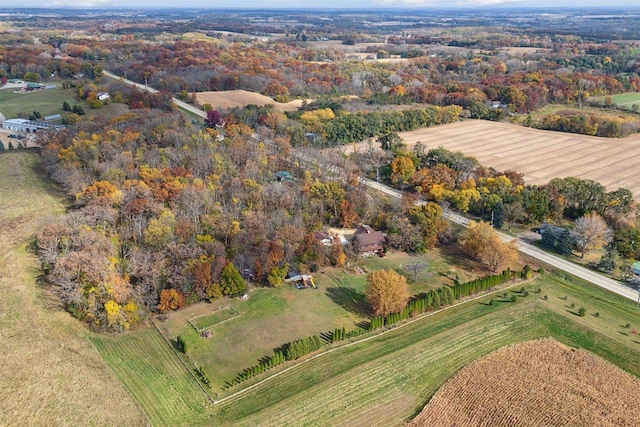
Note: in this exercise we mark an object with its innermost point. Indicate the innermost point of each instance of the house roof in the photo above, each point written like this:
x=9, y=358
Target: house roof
x=367, y=236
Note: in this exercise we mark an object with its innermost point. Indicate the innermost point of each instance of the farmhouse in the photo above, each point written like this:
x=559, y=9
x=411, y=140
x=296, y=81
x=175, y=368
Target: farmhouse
x=22, y=125
x=103, y=95
x=366, y=240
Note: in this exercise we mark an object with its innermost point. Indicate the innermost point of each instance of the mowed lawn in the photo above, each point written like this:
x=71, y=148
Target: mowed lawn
x=50, y=373
x=541, y=155
x=623, y=99
x=271, y=318
x=150, y=370
x=49, y=102
x=386, y=379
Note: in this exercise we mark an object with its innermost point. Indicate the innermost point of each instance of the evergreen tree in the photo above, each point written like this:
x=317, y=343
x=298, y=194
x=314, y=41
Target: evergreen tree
x=564, y=245
x=548, y=238
x=498, y=215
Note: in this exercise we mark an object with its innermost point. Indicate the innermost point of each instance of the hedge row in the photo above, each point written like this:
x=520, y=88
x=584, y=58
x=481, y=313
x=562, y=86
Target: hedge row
x=446, y=295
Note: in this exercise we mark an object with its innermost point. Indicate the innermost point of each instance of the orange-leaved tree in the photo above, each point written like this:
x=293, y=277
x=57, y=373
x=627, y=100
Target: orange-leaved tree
x=386, y=291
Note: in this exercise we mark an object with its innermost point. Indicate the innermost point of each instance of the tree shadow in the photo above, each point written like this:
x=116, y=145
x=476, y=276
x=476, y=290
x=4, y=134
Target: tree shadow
x=350, y=299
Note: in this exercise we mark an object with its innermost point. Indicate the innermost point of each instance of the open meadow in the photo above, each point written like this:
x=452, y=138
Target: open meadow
x=50, y=373
x=541, y=155
x=623, y=100
x=388, y=377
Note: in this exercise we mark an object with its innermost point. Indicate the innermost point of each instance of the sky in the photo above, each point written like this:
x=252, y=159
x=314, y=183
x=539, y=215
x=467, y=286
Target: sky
x=305, y=4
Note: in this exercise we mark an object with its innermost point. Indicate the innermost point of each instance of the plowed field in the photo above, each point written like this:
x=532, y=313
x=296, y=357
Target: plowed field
x=540, y=155
x=538, y=383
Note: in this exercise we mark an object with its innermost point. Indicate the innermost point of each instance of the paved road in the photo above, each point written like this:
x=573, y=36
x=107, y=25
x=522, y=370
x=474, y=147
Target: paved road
x=179, y=103
x=533, y=251
x=523, y=247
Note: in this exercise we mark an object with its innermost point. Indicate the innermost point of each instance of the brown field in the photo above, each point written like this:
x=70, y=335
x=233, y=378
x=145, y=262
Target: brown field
x=50, y=373
x=239, y=98
x=541, y=155
x=537, y=383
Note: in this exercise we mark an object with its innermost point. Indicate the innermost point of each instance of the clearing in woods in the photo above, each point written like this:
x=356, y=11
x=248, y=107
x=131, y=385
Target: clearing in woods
x=50, y=373
x=49, y=102
x=387, y=379
x=239, y=98
x=541, y=155
x=539, y=383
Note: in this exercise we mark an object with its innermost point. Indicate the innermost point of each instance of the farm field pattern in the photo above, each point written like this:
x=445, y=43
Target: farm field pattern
x=541, y=155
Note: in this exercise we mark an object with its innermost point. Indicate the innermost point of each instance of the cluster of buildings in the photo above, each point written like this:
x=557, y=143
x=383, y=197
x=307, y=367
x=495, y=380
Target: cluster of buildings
x=29, y=126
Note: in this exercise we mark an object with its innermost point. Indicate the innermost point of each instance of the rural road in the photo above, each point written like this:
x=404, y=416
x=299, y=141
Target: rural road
x=533, y=251
x=181, y=104
x=523, y=246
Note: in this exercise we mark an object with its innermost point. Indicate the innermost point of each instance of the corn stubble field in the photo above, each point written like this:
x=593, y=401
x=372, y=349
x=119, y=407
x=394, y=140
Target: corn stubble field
x=539, y=383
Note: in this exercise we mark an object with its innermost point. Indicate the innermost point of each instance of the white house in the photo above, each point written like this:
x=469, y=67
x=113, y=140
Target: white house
x=103, y=95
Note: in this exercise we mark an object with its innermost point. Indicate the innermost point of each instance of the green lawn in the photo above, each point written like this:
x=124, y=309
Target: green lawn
x=150, y=370
x=49, y=102
x=624, y=100
x=386, y=379
x=210, y=320
x=273, y=317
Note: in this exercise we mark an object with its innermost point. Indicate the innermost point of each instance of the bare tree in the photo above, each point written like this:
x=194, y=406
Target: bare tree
x=416, y=268
x=591, y=231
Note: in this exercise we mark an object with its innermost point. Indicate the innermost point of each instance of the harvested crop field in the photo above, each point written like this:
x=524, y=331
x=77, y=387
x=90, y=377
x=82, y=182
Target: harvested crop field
x=537, y=383
x=239, y=98
x=541, y=155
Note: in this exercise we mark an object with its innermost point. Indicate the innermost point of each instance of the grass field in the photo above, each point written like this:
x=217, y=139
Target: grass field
x=624, y=100
x=210, y=320
x=273, y=317
x=541, y=155
x=50, y=373
x=387, y=379
x=49, y=102
x=151, y=371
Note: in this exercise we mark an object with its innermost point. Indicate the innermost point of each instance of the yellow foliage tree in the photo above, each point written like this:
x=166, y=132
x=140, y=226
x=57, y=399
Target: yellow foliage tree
x=386, y=292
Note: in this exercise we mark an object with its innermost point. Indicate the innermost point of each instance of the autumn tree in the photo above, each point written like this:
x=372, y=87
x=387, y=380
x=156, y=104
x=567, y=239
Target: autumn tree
x=213, y=119
x=386, y=292
x=484, y=244
x=170, y=299
x=590, y=232
x=402, y=168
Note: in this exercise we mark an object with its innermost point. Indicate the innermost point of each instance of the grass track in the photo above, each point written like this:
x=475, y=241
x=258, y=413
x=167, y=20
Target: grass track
x=152, y=372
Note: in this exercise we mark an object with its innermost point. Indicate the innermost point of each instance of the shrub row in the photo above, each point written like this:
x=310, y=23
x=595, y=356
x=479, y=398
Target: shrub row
x=203, y=376
x=446, y=295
